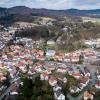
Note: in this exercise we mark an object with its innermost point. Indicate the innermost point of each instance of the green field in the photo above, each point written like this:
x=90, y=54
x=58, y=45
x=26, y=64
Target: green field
x=94, y=20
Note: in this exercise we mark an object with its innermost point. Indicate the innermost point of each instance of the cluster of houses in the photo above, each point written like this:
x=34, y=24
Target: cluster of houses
x=97, y=84
x=83, y=76
x=15, y=58
x=4, y=38
x=54, y=81
x=73, y=57
x=93, y=43
x=23, y=25
x=90, y=94
x=29, y=42
x=25, y=58
x=6, y=34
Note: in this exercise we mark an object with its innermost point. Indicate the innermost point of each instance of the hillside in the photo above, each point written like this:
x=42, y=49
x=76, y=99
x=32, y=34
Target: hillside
x=23, y=10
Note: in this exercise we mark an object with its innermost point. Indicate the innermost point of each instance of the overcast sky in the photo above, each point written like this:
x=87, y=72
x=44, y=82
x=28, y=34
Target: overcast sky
x=53, y=4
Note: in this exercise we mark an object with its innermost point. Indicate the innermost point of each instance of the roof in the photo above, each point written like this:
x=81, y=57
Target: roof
x=98, y=83
x=58, y=93
x=76, y=74
x=51, y=51
x=87, y=94
x=45, y=74
x=52, y=79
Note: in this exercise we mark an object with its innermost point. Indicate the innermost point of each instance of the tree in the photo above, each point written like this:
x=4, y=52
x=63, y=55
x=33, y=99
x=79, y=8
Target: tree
x=42, y=90
x=81, y=59
x=71, y=81
x=97, y=95
x=27, y=88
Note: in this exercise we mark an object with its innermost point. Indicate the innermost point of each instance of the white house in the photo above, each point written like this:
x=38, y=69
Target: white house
x=98, y=76
x=50, y=53
x=74, y=89
x=62, y=70
x=87, y=96
x=59, y=95
x=50, y=42
x=44, y=76
x=52, y=81
x=97, y=85
x=57, y=87
x=87, y=74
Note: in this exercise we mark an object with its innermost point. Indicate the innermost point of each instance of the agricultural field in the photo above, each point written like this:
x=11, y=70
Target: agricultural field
x=94, y=20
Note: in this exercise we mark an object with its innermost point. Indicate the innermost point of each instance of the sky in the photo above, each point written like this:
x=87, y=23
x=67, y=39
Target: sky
x=53, y=4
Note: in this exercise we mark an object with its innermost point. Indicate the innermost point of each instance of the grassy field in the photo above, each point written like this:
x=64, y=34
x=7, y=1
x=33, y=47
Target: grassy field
x=94, y=20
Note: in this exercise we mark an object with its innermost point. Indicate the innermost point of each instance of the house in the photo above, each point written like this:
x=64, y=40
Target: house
x=52, y=81
x=40, y=57
x=76, y=75
x=82, y=72
x=80, y=86
x=14, y=89
x=57, y=87
x=87, y=96
x=84, y=81
x=50, y=42
x=50, y=67
x=31, y=71
x=72, y=56
x=59, y=95
x=89, y=53
x=86, y=72
x=67, y=59
x=2, y=77
x=74, y=89
x=50, y=53
x=60, y=58
x=63, y=79
x=90, y=43
x=98, y=73
x=97, y=85
x=93, y=43
x=23, y=69
x=62, y=70
x=98, y=76
x=47, y=71
x=70, y=71
x=44, y=76
x=75, y=59
x=40, y=52
x=38, y=69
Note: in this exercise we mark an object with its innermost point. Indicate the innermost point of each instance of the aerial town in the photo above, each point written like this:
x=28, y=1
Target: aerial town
x=74, y=75
x=48, y=51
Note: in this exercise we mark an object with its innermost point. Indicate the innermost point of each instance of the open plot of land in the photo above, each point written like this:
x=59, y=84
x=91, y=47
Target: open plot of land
x=94, y=20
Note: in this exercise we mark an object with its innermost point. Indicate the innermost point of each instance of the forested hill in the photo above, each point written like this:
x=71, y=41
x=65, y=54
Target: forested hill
x=23, y=10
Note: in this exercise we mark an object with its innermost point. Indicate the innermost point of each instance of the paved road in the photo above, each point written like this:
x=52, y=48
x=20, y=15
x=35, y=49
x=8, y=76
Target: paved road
x=90, y=67
x=8, y=89
x=92, y=82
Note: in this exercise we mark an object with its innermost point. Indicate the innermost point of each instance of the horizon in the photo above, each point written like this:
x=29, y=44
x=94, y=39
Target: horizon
x=53, y=4
x=48, y=8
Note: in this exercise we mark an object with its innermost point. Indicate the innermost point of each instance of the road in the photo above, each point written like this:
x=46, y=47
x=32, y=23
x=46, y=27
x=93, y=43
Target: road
x=90, y=67
x=8, y=89
x=92, y=82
